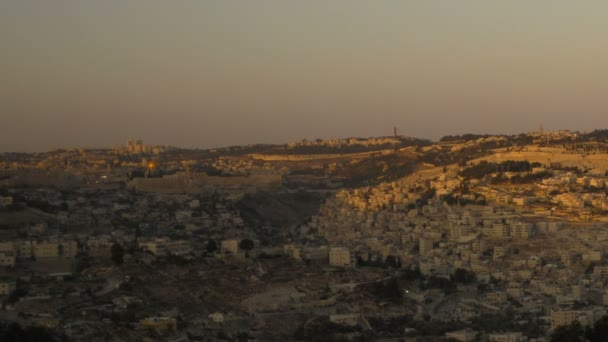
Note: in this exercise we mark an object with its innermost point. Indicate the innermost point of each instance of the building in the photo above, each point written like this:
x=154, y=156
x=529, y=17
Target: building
x=317, y=254
x=577, y=292
x=561, y=317
x=293, y=251
x=498, y=298
x=499, y=252
x=592, y=256
x=351, y=319
x=45, y=249
x=230, y=246
x=154, y=246
x=427, y=266
x=6, y=201
x=506, y=337
x=39, y=228
x=165, y=246
x=7, y=286
x=52, y=249
x=521, y=201
x=160, y=325
x=100, y=245
x=605, y=297
x=68, y=248
x=515, y=291
x=217, y=317
x=8, y=247
x=341, y=257
x=183, y=215
x=466, y=335
x=24, y=249
x=178, y=247
x=499, y=231
x=425, y=246
x=600, y=271
x=521, y=230
x=7, y=258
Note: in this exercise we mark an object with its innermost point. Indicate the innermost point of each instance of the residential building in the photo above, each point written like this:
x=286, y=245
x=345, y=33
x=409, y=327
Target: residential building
x=160, y=325
x=230, y=246
x=506, y=337
x=7, y=286
x=466, y=335
x=341, y=257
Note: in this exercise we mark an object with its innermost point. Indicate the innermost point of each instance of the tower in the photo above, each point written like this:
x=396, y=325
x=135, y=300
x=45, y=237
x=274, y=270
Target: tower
x=541, y=131
x=395, y=131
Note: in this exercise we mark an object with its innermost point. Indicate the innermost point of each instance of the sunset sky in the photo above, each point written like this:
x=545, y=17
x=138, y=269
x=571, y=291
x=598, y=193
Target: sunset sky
x=215, y=73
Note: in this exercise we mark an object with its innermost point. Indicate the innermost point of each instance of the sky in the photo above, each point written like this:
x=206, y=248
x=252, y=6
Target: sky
x=216, y=73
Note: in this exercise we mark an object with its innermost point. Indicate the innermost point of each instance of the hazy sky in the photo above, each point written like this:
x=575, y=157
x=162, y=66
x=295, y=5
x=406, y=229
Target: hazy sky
x=213, y=73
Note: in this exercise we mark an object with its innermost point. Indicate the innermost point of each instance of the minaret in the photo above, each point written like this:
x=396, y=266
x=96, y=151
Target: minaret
x=395, y=131
x=541, y=129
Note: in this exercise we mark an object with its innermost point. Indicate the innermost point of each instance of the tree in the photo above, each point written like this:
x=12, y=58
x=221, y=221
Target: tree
x=463, y=276
x=246, y=245
x=14, y=332
x=573, y=332
x=211, y=246
x=389, y=290
x=118, y=254
x=600, y=330
x=391, y=261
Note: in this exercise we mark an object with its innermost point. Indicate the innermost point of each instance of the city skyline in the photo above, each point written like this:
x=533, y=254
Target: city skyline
x=206, y=74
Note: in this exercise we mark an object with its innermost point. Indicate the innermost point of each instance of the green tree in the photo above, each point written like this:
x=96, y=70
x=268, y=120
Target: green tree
x=211, y=246
x=15, y=332
x=389, y=290
x=246, y=245
x=573, y=332
x=599, y=333
x=391, y=261
x=118, y=254
x=463, y=276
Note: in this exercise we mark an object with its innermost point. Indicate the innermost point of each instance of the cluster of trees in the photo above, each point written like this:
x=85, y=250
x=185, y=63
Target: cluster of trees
x=445, y=157
x=312, y=149
x=389, y=290
x=118, y=254
x=246, y=245
x=460, y=276
x=597, y=135
x=575, y=332
x=374, y=170
x=463, y=137
x=40, y=205
x=325, y=330
x=528, y=178
x=485, y=168
x=519, y=139
x=451, y=200
x=522, y=139
x=14, y=296
x=425, y=197
x=14, y=332
x=394, y=326
x=323, y=149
